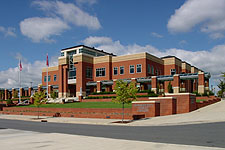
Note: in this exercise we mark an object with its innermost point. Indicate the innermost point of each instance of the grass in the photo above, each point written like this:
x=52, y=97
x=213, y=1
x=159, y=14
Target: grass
x=200, y=100
x=83, y=105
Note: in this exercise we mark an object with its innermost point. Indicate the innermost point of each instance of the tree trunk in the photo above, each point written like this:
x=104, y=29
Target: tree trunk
x=123, y=113
x=38, y=112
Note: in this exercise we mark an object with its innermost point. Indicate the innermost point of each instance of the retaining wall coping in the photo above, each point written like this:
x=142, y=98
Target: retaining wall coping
x=137, y=102
x=162, y=98
x=180, y=94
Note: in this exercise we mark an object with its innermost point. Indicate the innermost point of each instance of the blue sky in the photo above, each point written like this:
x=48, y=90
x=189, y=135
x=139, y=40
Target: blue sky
x=190, y=29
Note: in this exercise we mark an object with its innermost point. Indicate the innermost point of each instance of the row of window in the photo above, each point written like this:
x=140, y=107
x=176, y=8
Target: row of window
x=153, y=70
x=49, y=78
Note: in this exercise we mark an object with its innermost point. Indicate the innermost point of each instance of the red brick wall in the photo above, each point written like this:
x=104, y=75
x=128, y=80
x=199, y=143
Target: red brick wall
x=146, y=108
x=109, y=113
x=52, y=82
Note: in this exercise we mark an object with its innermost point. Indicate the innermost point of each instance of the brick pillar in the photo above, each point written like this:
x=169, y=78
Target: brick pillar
x=65, y=81
x=114, y=84
x=201, y=82
x=108, y=88
x=25, y=92
x=6, y=94
x=99, y=89
x=194, y=85
x=154, y=84
x=39, y=88
x=207, y=84
x=13, y=92
x=29, y=91
x=50, y=89
x=60, y=81
x=21, y=92
x=176, y=83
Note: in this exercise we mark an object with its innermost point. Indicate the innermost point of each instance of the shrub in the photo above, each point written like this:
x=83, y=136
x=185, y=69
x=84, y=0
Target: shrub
x=9, y=102
x=211, y=93
x=196, y=93
x=100, y=93
x=170, y=88
x=146, y=91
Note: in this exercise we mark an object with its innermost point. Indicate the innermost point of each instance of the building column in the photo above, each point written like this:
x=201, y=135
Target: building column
x=207, y=84
x=25, y=92
x=201, y=82
x=114, y=84
x=29, y=91
x=21, y=92
x=39, y=88
x=60, y=81
x=49, y=89
x=13, y=93
x=65, y=81
x=154, y=84
x=99, y=88
x=176, y=83
x=6, y=94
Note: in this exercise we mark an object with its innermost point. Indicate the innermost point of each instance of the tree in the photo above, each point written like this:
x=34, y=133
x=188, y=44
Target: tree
x=170, y=88
x=221, y=86
x=39, y=99
x=126, y=93
x=54, y=95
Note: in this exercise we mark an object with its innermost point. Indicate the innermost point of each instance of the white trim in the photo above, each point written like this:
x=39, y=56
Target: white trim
x=179, y=94
x=162, y=98
x=151, y=102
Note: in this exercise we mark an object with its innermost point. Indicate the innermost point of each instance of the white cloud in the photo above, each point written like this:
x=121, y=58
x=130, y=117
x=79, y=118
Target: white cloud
x=154, y=34
x=42, y=28
x=89, y=2
x=31, y=73
x=209, y=14
x=93, y=40
x=208, y=60
x=70, y=13
x=10, y=31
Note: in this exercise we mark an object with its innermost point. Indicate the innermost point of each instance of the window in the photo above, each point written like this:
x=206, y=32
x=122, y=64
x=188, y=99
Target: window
x=131, y=68
x=153, y=70
x=72, y=73
x=115, y=70
x=138, y=68
x=149, y=68
x=100, y=72
x=62, y=53
x=49, y=78
x=45, y=79
x=55, y=77
x=89, y=73
x=121, y=69
x=172, y=71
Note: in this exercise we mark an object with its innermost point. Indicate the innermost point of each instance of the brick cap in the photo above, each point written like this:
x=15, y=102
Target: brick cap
x=154, y=76
x=200, y=72
x=162, y=98
x=138, y=102
x=179, y=94
x=176, y=75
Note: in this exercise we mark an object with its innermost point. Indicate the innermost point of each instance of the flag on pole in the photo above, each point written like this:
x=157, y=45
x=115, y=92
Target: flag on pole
x=21, y=68
x=47, y=64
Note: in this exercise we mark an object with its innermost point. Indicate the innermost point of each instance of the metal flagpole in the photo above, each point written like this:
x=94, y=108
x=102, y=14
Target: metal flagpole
x=19, y=81
x=47, y=76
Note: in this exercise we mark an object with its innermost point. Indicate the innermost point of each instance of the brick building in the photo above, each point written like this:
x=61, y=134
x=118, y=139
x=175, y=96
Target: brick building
x=82, y=70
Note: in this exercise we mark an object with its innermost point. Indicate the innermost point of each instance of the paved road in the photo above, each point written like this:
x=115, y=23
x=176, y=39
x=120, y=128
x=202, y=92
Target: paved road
x=210, y=134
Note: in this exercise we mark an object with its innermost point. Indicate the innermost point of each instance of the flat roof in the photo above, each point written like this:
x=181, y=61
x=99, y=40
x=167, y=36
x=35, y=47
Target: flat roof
x=169, y=56
x=89, y=48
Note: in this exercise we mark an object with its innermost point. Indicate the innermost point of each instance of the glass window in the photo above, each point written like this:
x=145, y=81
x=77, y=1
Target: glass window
x=62, y=53
x=172, y=71
x=55, y=77
x=115, y=70
x=149, y=68
x=139, y=68
x=121, y=69
x=89, y=72
x=45, y=79
x=153, y=70
x=100, y=72
x=131, y=68
x=49, y=78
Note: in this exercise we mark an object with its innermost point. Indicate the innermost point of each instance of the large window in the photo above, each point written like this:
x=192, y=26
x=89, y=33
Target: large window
x=45, y=78
x=100, y=72
x=55, y=77
x=131, y=68
x=115, y=70
x=62, y=53
x=89, y=72
x=138, y=68
x=153, y=70
x=149, y=68
x=172, y=71
x=121, y=69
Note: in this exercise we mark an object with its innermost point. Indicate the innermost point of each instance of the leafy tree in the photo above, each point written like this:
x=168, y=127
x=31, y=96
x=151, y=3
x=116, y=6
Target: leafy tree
x=126, y=93
x=15, y=95
x=39, y=99
x=54, y=95
x=170, y=88
x=221, y=86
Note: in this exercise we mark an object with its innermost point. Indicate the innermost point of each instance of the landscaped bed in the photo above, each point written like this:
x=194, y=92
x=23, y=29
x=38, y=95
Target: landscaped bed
x=200, y=100
x=83, y=105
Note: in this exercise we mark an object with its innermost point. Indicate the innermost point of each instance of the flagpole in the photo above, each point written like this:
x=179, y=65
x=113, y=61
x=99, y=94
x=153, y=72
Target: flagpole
x=47, y=76
x=19, y=81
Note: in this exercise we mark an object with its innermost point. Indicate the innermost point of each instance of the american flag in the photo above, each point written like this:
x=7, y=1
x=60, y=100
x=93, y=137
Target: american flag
x=21, y=68
x=47, y=61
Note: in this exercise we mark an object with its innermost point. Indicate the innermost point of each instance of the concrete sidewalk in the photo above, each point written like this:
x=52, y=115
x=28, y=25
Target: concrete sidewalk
x=208, y=114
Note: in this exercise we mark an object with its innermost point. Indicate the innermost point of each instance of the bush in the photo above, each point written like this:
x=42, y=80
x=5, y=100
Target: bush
x=211, y=93
x=100, y=93
x=9, y=101
x=146, y=91
x=196, y=93
x=99, y=97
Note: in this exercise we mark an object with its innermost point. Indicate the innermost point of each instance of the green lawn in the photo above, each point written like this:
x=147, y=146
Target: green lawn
x=83, y=105
x=199, y=100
